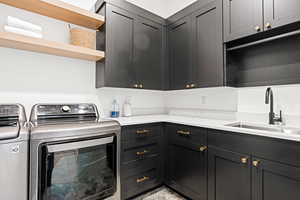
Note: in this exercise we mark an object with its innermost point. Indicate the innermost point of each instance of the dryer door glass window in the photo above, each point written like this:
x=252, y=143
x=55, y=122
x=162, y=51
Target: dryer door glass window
x=80, y=173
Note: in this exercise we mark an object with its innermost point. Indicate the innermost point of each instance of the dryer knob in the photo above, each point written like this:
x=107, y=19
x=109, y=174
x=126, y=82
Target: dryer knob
x=66, y=109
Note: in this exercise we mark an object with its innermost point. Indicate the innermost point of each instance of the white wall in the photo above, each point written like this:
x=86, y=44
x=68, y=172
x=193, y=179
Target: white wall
x=85, y=4
x=217, y=102
x=251, y=103
x=29, y=78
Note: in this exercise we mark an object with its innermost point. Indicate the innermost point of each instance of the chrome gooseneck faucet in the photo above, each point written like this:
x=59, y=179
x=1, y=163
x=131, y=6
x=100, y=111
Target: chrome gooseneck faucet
x=270, y=100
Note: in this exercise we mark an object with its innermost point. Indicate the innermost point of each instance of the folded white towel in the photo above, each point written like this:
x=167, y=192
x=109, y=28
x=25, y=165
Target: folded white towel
x=18, y=23
x=22, y=32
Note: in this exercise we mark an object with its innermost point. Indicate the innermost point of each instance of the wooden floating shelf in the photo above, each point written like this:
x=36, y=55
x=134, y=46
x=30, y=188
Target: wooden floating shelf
x=16, y=41
x=59, y=10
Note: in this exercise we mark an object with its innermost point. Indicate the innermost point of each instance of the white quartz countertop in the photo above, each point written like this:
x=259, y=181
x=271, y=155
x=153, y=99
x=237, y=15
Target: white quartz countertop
x=204, y=123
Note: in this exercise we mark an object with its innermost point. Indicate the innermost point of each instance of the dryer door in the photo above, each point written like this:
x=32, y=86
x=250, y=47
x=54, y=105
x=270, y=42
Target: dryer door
x=78, y=170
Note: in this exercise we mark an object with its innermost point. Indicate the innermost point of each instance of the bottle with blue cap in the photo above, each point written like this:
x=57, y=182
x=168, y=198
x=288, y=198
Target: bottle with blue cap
x=115, y=111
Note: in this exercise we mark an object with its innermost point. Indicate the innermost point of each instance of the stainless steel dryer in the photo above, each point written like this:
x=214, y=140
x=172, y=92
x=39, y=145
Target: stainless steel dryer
x=13, y=153
x=74, y=155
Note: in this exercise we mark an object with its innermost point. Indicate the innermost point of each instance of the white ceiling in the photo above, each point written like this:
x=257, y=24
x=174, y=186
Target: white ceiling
x=163, y=8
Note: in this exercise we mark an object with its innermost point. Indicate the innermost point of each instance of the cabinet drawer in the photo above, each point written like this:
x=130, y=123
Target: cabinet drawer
x=131, y=144
x=140, y=183
x=139, y=153
x=139, y=166
x=141, y=132
x=186, y=134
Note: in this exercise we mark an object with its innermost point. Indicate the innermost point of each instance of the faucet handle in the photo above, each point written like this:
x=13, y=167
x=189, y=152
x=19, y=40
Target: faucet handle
x=278, y=119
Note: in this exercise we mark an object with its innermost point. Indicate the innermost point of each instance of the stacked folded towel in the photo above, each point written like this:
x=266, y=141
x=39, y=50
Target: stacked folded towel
x=15, y=25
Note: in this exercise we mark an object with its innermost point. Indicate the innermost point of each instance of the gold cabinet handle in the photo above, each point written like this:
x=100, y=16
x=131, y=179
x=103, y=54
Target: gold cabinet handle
x=140, y=180
x=141, y=153
x=184, y=132
x=268, y=25
x=255, y=163
x=139, y=132
x=203, y=148
x=244, y=160
x=257, y=28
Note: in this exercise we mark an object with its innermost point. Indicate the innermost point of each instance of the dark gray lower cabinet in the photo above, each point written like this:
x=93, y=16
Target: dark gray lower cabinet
x=229, y=175
x=206, y=164
x=186, y=166
x=275, y=181
x=141, y=159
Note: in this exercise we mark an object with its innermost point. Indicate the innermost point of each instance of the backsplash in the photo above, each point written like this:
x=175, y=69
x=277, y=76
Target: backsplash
x=252, y=107
x=219, y=102
x=144, y=102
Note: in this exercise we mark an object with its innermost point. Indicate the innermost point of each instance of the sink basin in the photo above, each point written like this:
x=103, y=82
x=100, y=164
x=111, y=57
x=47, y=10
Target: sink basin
x=260, y=127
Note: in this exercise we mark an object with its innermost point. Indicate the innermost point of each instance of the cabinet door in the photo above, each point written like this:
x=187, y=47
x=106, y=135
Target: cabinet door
x=229, y=175
x=180, y=53
x=208, y=45
x=148, y=49
x=119, y=67
x=241, y=18
x=186, y=170
x=279, y=12
x=275, y=181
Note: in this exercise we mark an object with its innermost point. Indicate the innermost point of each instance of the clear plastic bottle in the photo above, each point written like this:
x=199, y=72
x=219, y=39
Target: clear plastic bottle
x=127, y=112
x=115, y=110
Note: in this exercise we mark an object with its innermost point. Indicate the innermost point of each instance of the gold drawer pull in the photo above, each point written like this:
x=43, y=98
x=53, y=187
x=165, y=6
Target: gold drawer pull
x=268, y=25
x=184, y=132
x=255, y=163
x=142, y=131
x=203, y=148
x=140, y=153
x=140, y=180
x=244, y=160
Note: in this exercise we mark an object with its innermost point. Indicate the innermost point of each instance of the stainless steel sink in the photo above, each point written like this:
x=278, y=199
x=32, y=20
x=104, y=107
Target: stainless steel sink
x=260, y=127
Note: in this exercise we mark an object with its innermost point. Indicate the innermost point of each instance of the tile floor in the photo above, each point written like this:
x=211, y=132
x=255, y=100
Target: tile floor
x=161, y=194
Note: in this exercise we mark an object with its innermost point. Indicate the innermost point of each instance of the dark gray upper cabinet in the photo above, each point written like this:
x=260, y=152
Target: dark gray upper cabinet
x=119, y=55
x=148, y=52
x=196, y=47
x=242, y=18
x=134, y=47
x=180, y=53
x=279, y=12
x=207, y=46
x=275, y=181
x=229, y=175
x=245, y=18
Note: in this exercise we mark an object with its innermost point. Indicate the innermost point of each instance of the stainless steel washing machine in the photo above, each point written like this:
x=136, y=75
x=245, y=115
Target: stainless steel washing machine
x=13, y=153
x=74, y=155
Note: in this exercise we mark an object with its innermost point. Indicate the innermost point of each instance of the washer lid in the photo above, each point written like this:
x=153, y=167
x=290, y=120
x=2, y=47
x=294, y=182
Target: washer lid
x=12, y=117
